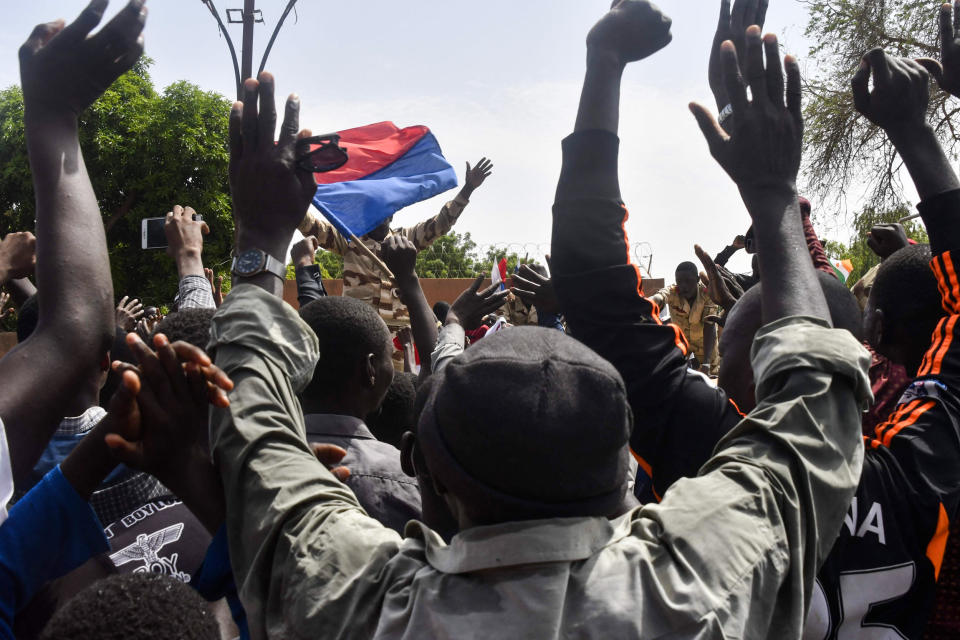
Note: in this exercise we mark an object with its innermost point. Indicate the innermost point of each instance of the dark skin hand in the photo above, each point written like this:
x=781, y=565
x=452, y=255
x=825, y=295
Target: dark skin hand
x=128, y=313
x=165, y=435
x=185, y=240
x=62, y=72
x=886, y=239
x=732, y=26
x=18, y=256
x=947, y=70
x=469, y=309
x=216, y=286
x=304, y=253
x=762, y=155
x=535, y=290
x=632, y=30
x=270, y=192
x=716, y=286
x=400, y=255
x=898, y=104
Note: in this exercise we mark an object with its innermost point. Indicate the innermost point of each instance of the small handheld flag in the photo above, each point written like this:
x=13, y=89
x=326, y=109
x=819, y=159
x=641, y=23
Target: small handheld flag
x=498, y=275
x=388, y=169
x=843, y=269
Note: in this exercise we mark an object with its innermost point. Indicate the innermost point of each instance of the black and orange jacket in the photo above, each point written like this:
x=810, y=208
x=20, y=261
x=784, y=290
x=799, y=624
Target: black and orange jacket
x=882, y=570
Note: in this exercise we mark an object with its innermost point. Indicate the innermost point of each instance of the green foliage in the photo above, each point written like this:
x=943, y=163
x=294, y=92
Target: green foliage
x=843, y=151
x=145, y=152
x=331, y=265
x=858, y=252
x=450, y=256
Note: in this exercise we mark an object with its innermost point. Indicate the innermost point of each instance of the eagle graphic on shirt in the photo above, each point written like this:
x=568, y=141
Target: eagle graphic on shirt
x=147, y=548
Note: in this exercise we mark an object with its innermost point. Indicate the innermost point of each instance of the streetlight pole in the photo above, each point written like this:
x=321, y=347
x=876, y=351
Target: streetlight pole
x=249, y=7
x=243, y=70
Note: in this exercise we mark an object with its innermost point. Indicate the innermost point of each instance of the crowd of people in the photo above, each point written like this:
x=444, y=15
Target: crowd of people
x=761, y=455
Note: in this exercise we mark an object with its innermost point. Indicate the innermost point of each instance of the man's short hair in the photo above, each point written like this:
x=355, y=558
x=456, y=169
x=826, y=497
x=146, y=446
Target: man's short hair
x=395, y=415
x=27, y=318
x=348, y=330
x=907, y=292
x=688, y=267
x=135, y=605
x=189, y=325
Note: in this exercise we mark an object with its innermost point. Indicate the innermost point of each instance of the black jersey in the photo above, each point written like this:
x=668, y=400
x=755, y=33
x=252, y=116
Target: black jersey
x=879, y=580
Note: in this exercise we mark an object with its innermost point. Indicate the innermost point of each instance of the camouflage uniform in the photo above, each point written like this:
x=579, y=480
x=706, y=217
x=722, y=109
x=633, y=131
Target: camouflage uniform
x=690, y=319
x=364, y=280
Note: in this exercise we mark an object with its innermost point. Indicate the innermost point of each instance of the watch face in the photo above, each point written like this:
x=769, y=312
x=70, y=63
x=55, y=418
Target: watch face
x=249, y=263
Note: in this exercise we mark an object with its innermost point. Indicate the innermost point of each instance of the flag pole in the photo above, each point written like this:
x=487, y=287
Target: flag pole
x=365, y=250
x=307, y=225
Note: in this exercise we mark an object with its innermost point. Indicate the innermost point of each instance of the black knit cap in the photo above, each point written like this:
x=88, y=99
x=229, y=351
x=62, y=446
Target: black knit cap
x=532, y=421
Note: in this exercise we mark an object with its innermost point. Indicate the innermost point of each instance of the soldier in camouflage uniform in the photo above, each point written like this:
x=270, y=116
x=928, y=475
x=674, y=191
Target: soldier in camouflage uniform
x=363, y=279
x=689, y=306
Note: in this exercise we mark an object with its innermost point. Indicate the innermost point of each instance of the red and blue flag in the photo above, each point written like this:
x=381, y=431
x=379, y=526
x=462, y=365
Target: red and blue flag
x=388, y=169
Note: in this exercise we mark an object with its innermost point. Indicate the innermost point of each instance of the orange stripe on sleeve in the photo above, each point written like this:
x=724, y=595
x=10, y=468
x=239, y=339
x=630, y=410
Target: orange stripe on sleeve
x=937, y=363
x=897, y=414
x=938, y=544
x=936, y=340
x=913, y=417
x=953, y=283
x=942, y=284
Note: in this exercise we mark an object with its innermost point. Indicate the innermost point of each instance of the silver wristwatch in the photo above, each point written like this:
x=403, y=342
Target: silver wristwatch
x=256, y=261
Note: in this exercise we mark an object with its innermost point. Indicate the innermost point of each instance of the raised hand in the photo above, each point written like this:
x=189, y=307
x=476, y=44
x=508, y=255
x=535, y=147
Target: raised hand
x=632, y=30
x=536, y=290
x=271, y=193
x=740, y=242
x=177, y=383
x=400, y=255
x=216, y=286
x=469, y=309
x=184, y=234
x=475, y=176
x=764, y=148
x=64, y=70
x=304, y=253
x=732, y=26
x=716, y=285
x=901, y=92
x=18, y=255
x=886, y=239
x=128, y=313
x=947, y=71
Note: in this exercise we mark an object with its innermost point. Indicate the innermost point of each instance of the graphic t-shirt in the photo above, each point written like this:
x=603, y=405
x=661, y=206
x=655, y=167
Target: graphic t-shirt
x=161, y=536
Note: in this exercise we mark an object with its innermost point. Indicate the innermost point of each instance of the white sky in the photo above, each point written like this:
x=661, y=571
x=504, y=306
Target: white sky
x=498, y=78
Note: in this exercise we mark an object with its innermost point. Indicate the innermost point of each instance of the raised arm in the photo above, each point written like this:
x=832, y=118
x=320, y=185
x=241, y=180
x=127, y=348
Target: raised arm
x=400, y=255
x=600, y=290
x=423, y=234
x=185, y=245
x=62, y=72
x=307, y=272
x=259, y=443
x=898, y=104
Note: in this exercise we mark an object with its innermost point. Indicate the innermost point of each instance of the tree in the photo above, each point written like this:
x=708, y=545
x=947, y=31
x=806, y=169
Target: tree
x=844, y=151
x=145, y=151
x=450, y=256
x=858, y=252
